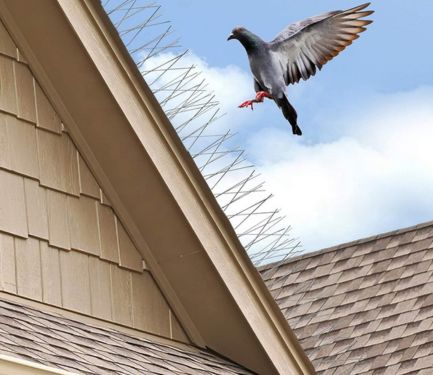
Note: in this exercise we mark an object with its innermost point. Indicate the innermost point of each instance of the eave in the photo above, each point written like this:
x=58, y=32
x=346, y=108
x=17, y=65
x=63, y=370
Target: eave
x=153, y=183
x=16, y=366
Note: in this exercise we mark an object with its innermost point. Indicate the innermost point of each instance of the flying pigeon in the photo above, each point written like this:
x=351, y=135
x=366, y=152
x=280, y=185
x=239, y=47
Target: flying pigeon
x=297, y=52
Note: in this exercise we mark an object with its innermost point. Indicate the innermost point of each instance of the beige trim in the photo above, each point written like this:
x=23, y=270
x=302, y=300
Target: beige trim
x=239, y=318
x=230, y=259
x=16, y=366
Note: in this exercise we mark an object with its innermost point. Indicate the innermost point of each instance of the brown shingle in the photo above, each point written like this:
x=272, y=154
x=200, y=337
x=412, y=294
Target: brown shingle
x=423, y=233
x=376, y=317
x=63, y=343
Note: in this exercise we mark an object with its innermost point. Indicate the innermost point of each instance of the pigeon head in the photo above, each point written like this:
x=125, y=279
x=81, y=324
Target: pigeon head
x=237, y=33
x=246, y=37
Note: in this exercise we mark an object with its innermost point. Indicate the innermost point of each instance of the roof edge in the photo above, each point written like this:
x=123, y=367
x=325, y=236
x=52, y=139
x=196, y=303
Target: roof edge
x=219, y=220
x=360, y=241
x=18, y=366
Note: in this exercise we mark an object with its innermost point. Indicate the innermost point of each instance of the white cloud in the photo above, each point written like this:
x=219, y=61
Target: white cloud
x=372, y=174
x=377, y=176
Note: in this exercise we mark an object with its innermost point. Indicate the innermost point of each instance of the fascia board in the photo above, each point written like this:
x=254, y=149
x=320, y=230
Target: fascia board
x=15, y=366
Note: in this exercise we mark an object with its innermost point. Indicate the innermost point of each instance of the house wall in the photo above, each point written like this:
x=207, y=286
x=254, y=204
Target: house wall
x=61, y=242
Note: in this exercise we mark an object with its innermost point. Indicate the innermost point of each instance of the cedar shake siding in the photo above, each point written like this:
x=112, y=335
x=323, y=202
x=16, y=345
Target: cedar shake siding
x=61, y=242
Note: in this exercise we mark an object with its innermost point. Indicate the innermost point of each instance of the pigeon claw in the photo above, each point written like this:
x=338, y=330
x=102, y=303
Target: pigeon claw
x=247, y=104
x=261, y=95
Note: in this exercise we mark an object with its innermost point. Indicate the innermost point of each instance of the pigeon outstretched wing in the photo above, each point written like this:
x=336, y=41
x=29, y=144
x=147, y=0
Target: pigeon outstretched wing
x=305, y=46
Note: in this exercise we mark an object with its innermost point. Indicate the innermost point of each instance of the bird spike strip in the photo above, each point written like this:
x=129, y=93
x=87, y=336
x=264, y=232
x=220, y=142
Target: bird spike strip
x=194, y=112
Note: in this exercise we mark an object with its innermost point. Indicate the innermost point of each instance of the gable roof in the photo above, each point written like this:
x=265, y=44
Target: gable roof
x=152, y=183
x=365, y=307
x=53, y=340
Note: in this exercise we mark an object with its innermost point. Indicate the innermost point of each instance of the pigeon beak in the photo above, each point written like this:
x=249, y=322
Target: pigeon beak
x=231, y=36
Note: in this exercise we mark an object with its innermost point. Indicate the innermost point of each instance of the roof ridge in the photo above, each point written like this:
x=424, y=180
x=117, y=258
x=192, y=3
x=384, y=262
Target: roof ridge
x=345, y=245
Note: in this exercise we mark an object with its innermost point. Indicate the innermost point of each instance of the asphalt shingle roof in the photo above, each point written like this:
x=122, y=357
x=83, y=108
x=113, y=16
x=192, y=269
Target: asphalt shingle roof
x=56, y=341
x=365, y=307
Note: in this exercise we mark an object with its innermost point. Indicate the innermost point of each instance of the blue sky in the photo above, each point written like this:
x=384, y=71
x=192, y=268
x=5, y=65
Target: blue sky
x=364, y=163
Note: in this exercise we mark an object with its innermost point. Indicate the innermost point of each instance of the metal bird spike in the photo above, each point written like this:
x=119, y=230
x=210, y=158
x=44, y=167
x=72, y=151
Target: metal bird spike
x=194, y=111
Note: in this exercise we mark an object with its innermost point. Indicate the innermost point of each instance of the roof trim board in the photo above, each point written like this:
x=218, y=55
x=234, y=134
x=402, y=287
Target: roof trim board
x=15, y=366
x=213, y=254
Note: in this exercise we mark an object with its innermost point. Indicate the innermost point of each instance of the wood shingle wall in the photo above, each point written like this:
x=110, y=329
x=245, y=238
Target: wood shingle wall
x=61, y=242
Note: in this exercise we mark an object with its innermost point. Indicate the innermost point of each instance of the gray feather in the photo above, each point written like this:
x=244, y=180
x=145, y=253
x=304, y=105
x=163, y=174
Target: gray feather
x=313, y=42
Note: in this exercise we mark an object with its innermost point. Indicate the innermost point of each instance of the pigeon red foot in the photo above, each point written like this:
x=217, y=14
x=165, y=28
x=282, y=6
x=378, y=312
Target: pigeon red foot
x=260, y=96
x=247, y=103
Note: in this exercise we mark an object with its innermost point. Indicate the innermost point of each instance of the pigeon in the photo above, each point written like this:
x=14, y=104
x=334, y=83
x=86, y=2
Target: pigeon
x=297, y=52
